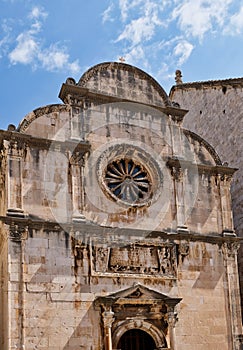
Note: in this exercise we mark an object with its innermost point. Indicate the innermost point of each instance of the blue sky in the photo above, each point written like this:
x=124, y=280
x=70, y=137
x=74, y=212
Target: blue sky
x=44, y=42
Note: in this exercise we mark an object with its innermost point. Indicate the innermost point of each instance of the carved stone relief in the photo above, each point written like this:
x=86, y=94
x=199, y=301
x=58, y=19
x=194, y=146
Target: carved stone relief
x=136, y=259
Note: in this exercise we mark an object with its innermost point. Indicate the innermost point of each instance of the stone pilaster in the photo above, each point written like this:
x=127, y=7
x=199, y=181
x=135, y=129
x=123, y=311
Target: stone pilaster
x=225, y=197
x=171, y=320
x=108, y=319
x=179, y=195
x=77, y=162
x=230, y=260
x=17, y=235
x=16, y=149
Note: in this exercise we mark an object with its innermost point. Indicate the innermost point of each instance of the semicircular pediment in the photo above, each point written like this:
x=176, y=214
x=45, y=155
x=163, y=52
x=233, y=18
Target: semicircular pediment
x=124, y=81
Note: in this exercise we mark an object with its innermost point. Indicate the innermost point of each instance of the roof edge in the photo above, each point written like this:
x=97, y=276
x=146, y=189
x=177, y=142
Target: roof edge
x=208, y=83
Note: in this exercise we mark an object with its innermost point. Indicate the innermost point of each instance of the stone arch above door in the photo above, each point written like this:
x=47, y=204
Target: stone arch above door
x=136, y=339
x=156, y=334
x=138, y=307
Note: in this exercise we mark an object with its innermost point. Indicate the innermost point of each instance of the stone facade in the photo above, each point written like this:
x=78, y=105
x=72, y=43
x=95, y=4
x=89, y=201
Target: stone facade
x=116, y=224
x=216, y=114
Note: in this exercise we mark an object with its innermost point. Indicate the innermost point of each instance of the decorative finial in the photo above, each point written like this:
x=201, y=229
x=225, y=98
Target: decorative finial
x=178, y=77
x=122, y=59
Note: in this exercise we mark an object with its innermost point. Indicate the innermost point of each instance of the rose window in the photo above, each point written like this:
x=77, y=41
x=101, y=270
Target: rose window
x=128, y=181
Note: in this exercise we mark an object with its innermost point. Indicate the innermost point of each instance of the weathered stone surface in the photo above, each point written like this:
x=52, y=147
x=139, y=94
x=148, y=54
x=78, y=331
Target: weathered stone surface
x=121, y=221
x=217, y=115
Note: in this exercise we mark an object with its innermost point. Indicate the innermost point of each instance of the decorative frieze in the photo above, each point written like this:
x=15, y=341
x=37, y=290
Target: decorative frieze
x=136, y=259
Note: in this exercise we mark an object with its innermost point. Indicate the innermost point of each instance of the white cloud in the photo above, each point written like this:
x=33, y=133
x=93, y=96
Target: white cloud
x=126, y=5
x=196, y=17
x=37, y=12
x=6, y=39
x=26, y=49
x=74, y=67
x=183, y=51
x=30, y=49
x=143, y=28
x=137, y=31
x=106, y=15
x=55, y=58
x=235, y=25
x=136, y=56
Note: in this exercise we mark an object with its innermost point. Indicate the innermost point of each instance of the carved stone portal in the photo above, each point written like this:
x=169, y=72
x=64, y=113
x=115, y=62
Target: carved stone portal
x=138, y=308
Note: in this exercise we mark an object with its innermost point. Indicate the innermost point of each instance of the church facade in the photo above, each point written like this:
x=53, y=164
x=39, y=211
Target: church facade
x=116, y=224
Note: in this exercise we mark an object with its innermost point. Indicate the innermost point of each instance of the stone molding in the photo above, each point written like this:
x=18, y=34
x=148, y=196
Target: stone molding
x=82, y=97
x=176, y=165
x=20, y=142
x=208, y=147
x=95, y=232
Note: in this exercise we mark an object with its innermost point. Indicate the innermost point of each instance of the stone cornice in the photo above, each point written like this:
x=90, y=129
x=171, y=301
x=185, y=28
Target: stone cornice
x=202, y=168
x=79, y=92
x=82, y=230
x=42, y=143
x=234, y=82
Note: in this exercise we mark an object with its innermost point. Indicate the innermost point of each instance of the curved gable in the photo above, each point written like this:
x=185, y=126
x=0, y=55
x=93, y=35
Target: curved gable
x=125, y=81
x=41, y=121
x=204, y=152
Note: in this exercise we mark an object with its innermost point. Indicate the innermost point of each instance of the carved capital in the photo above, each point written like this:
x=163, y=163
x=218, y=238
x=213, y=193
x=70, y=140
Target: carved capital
x=171, y=317
x=17, y=148
x=77, y=101
x=78, y=158
x=238, y=341
x=174, y=164
x=18, y=233
x=177, y=173
x=230, y=249
x=108, y=318
x=226, y=178
x=184, y=248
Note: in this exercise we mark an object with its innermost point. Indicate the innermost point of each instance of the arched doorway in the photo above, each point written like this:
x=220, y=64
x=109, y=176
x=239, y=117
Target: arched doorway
x=136, y=339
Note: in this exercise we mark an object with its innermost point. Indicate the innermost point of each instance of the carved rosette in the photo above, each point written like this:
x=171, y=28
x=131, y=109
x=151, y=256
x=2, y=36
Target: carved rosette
x=18, y=233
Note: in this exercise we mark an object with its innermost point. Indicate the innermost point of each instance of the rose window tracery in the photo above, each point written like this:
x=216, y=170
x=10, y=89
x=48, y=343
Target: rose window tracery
x=128, y=181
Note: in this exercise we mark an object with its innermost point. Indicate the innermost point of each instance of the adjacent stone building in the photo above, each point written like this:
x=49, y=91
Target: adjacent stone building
x=116, y=224
x=216, y=113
